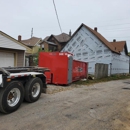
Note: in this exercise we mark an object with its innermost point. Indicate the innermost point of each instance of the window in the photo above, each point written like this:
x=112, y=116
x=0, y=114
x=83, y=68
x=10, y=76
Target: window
x=53, y=48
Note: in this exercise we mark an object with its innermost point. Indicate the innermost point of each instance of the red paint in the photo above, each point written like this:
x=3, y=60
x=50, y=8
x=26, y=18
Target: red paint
x=57, y=62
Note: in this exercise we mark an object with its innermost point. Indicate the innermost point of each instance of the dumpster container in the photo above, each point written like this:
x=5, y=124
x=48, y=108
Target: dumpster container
x=63, y=69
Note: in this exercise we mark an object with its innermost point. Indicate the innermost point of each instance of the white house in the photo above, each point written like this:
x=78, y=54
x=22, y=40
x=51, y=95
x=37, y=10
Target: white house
x=12, y=52
x=90, y=46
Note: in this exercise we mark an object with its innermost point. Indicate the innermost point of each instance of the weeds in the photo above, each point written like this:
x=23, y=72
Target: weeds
x=110, y=78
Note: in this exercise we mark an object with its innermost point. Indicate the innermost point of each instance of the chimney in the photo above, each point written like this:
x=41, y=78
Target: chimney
x=114, y=40
x=95, y=29
x=70, y=33
x=19, y=38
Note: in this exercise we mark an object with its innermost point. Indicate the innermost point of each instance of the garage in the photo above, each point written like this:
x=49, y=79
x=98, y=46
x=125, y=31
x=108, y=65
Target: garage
x=7, y=59
x=12, y=52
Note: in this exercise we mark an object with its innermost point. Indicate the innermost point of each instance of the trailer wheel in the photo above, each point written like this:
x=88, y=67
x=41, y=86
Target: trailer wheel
x=11, y=97
x=33, y=89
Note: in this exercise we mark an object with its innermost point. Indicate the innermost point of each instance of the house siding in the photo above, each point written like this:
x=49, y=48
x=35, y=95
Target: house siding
x=36, y=49
x=9, y=44
x=120, y=63
x=85, y=46
x=57, y=43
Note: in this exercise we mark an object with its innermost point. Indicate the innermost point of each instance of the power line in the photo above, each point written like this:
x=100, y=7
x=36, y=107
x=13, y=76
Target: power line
x=115, y=29
x=57, y=16
x=114, y=25
x=120, y=37
x=104, y=21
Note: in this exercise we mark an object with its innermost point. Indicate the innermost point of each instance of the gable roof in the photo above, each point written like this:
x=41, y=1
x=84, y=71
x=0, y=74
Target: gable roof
x=99, y=36
x=120, y=45
x=13, y=40
x=32, y=41
x=63, y=37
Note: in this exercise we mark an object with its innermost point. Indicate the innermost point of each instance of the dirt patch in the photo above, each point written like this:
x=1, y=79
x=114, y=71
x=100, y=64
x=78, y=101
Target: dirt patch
x=51, y=88
x=123, y=122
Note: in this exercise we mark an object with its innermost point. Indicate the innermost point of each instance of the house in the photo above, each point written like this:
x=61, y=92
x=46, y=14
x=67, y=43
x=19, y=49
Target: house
x=55, y=42
x=34, y=44
x=89, y=45
x=12, y=52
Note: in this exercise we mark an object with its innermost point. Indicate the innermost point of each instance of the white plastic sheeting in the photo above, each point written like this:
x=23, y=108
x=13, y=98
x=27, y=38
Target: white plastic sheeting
x=86, y=47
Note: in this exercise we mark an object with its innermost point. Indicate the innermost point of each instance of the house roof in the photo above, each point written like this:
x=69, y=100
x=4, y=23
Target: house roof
x=14, y=40
x=46, y=38
x=99, y=36
x=120, y=45
x=32, y=41
x=60, y=38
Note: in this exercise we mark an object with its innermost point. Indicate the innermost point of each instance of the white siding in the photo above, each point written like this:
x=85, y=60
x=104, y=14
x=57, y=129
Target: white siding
x=120, y=63
x=88, y=48
x=7, y=43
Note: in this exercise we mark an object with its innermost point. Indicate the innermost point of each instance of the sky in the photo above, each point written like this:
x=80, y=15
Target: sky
x=111, y=17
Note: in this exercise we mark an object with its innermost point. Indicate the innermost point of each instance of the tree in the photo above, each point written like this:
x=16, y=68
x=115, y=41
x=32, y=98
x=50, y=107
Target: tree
x=36, y=56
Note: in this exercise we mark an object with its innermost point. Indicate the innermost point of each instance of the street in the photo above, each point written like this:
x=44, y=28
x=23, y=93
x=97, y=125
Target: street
x=101, y=106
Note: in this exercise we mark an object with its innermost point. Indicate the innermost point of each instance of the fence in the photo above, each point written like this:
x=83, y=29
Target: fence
x=101, y=70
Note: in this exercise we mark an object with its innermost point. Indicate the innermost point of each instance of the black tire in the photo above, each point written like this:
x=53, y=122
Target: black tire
x=11, y=97
x=33, y=89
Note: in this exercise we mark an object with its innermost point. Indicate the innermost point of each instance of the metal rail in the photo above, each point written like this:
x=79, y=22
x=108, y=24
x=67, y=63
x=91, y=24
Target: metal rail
x=4, y=71
x=8, y=70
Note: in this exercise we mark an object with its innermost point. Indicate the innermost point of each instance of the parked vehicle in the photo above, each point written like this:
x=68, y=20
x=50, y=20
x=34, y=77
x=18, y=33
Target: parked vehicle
x=19, y=83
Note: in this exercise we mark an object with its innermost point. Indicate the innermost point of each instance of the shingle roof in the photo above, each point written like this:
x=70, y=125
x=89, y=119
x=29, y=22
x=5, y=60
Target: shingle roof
x=32, y=41
x=119, y=45
x=46, y=38
x=60, y=38
x=99, y=36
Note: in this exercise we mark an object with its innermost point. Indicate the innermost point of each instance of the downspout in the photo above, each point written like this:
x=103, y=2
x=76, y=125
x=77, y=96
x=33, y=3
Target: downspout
x=24, y=59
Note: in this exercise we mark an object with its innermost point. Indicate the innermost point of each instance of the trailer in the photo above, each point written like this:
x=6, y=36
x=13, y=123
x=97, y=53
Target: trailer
x=19, y=83
x=63, y=68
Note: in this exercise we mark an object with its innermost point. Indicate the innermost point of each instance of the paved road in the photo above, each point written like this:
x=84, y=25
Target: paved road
x=103, y=106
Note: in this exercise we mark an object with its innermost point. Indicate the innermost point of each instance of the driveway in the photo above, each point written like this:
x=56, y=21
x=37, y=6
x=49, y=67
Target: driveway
x=102, y=106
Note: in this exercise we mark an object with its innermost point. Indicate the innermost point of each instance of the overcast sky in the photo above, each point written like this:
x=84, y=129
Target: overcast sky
x=111, y=17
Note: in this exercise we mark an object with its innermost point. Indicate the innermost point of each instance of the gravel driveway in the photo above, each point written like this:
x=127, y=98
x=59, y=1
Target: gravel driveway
x=102, y=106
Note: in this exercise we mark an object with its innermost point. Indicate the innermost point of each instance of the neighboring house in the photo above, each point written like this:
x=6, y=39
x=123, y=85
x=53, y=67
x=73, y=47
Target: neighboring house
x=55, y=42
x=90, y=46
x=12, y=52
x=34, y=44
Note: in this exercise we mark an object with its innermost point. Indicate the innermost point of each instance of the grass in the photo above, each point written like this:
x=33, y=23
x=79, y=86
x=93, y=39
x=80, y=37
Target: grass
x=110, y=78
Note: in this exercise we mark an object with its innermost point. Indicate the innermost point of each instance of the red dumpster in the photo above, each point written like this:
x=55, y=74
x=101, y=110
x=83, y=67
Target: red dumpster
x=63, y=69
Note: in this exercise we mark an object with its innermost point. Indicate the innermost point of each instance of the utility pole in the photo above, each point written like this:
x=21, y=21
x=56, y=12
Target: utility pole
x=32, y=33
